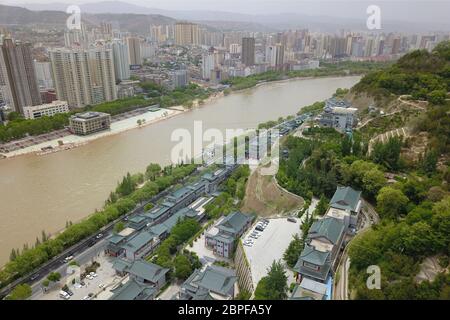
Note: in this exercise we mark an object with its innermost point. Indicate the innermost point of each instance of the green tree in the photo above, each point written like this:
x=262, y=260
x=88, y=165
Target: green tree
x=322, y=206
x=429, y=162
x=20, y=292
x=391, y=203
x=54, y=276
x=183, y=268
x=243, y=295
x=119, y=226
x=274, y=285
x=293, y=251
x=152, y=171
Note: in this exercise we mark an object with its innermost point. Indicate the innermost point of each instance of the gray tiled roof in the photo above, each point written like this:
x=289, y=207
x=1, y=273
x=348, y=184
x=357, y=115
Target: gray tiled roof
x=156, y=212
x=214, y=279
x=132, y=290
x=234, y=222
x=329, y=228
x=140, y=268
x=345, y=198
x=138, y=241
x=121, y=265
x=315, y=257
x=115, y=238
x=146, y=270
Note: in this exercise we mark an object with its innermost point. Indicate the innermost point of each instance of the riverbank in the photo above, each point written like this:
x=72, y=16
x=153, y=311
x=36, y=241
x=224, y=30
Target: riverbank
x=44, y=192
x=72, y=141
x=151, y=117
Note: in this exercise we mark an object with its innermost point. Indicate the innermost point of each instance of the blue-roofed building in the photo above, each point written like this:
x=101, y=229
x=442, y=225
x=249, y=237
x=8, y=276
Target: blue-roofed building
x=318, y=259
x=214, y=282
x=133, y=290
x=158, y=213
x=213, y=179
x=346, y=205
x=309, y=289
x=114, y=247
x=313, y=264
x=338, y=114
x=140, y=244
x=327, y=234
x=142, y=272
x=222, y=237
x=186, y=195
x=137, y=222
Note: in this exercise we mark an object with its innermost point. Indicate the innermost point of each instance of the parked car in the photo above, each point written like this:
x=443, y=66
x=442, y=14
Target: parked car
x=70, y=292
x=34, y=276
x=64, y=295
x=259, y=228
x=292, y=220
x=100, y=235
x=86, y=298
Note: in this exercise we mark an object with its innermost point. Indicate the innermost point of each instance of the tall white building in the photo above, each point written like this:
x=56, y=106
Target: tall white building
x=271, y=55
x=147, y=50
x=208, y=64
x=83, y=77
x=44, y=74
x=121, y=60
x=235, y=48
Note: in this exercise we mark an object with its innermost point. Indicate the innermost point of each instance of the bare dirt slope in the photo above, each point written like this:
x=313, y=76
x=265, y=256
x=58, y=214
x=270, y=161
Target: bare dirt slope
x=264, y=197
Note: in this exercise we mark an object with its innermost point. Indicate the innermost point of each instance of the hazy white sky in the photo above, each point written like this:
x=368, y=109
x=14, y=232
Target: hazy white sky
x=402, y=10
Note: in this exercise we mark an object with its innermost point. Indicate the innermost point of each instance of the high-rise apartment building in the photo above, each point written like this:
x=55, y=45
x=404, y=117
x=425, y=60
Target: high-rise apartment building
x=44, y=74
x=83, y=77
x=134, y=51
x=121, y=60
x=275, y=55
x=248, y=51
x=186, y=33
x=17, y=76
x=208, y=64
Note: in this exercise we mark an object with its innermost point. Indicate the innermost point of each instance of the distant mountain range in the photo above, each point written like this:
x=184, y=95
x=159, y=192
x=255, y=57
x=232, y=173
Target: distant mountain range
x=138, y=23
x=233, y=21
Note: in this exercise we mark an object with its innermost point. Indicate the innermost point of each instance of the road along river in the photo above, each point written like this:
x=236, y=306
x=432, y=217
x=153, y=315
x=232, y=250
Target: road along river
x=43, y=192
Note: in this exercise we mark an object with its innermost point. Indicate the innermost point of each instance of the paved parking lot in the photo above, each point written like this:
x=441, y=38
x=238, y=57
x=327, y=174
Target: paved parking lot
x=106, y=277
x=270, y=246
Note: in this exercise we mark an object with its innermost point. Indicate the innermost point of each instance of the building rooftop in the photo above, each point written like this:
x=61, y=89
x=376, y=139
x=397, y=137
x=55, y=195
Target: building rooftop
x=234, y=222
x=314, y=257
x=157, y=212
x=146, y=270
x=330, y=228
x=345, y=198
x=88, y=115
x=133, y=290
x=214, y=278
x=115, y=238
x=138, y=241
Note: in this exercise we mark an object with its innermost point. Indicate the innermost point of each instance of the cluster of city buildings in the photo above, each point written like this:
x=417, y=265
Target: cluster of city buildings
x=326, y=237
x=102, y=63
x=145, y=231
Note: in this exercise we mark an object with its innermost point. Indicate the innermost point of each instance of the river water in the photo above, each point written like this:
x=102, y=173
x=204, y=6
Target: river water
x=43, y=192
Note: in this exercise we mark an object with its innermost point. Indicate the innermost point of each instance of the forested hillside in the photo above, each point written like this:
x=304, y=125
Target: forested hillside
x=412, y=197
